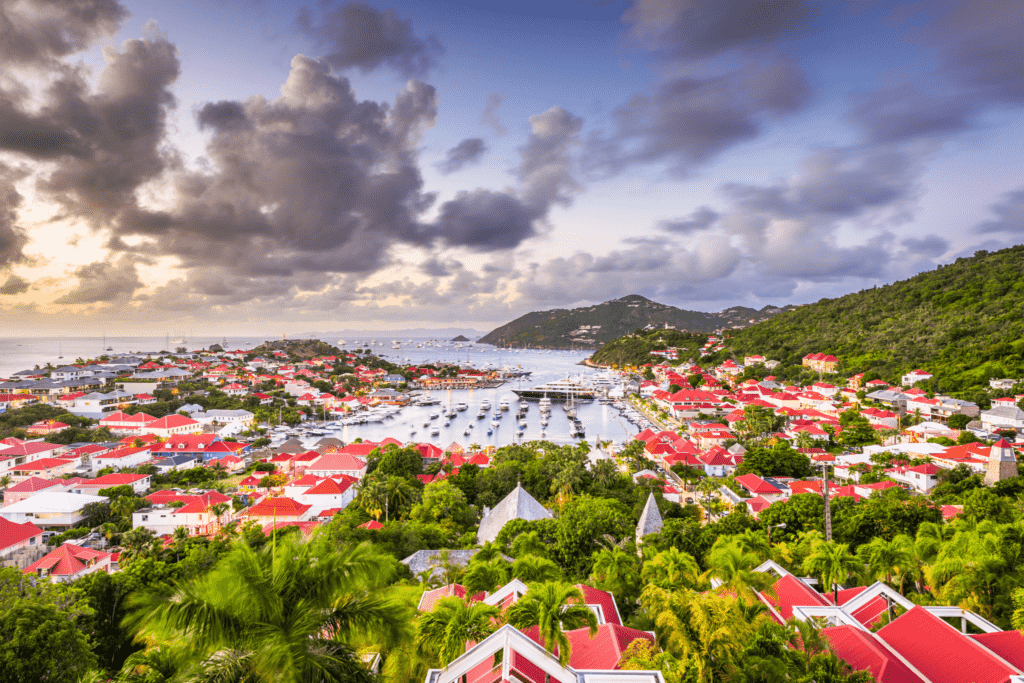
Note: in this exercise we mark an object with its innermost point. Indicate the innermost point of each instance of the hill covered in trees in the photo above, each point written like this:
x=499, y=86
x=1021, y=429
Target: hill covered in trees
x=962, y=322
x=591, y=326
x=635, y=349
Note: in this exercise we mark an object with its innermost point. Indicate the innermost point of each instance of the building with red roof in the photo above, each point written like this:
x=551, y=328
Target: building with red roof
x=69, y=562
x=15, y=536
x=139, y=483
x=372, y=525
x=173, y=425
x=45, y=468
x=277, y=509
x=333, y=464
x=44, y=427
x=29, y=487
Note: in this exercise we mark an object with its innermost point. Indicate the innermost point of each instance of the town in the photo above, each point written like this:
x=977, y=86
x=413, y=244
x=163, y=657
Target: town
x=823, y=500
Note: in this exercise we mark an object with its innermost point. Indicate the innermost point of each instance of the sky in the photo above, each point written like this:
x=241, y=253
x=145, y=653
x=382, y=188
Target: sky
x=265, y=166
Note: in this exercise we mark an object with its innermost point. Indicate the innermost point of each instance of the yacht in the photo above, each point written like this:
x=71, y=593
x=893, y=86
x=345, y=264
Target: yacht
x=485, y=404
x=482, y=414
x=559, y=390
x=468, y=430
x=497, y=414
x=503, y=405
x=434, y=416
x=544, y=404
x=435, y=431
x=523, y=406
x=522, y=424
x=460, y=406
x=495, y=424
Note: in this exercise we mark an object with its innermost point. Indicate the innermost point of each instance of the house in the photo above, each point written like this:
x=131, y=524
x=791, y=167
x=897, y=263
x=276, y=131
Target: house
x=69, y=562
x=334, y=464
x=14, y=537
x=915, y=376
x=1002, y=384
x=29, y=487
x=123, y=423
x=327, y=494
x=120, y=458
x=139, y=483
x=18, y=452
x=998, y=417
x=516, y=505
x=45, y=427
x=277, y=510
x=45, y=468
x=172, y=425
x=177, y=463
x=756, y=486
x=51, y=509
x=922, y=478
x=196, y=515
x=820, y=362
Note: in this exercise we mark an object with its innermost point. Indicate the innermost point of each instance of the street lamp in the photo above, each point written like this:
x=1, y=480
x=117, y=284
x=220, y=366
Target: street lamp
x=781, y=525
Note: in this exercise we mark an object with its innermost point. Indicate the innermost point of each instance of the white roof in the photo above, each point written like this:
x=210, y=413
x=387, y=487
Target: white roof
x=929, y=427
x=52, y=501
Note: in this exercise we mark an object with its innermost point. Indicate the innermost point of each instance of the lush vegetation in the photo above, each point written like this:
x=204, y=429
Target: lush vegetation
x=635, y=349
x=961, y=322
x=553, y=329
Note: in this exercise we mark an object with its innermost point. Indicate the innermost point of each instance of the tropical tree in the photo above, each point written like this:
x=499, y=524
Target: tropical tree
x=886, y=559
x=734, y=568
x=671, y=569
x=529, y=543
x=289, y=612
x=485, y=576
x=533, y=569
x=617, y=571
x=706, y=631
x=218, y=511
x=487, y=552
x=834, y=563
x=444, y=631
x=554, y=608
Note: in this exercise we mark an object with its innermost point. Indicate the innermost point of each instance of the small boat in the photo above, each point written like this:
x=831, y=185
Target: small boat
x=434, y=416
x=427, y=423
x=435, y=431
x=481, y=415
x=447, y=422
x=468, y=430
x=544, y=422
x=522, y=424
x=460, y=406
x=503, y=405
x=495, y=424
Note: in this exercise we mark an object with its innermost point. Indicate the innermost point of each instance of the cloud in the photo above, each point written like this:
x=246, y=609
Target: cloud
x=980, y=47
x=104, y=282
x=688, y=121
x=12, y=236
x=34, y=32
x=701, y=219
x=931, y=246
x=466, y=153
x=1009, y=211
x=14, y=285
x=490, y=115
x=903, y=112
x=690, y=30
x=360, y=36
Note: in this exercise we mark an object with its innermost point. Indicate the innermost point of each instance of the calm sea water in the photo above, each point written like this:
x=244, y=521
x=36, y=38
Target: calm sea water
x=601, y=421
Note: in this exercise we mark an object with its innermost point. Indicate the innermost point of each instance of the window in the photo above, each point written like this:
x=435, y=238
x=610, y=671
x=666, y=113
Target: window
x=145, y=518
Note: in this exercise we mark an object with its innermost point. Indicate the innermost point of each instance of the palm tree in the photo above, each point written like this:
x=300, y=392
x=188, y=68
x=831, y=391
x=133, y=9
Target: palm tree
x=884, y=559
x=445, y=630
x=834, y=563
x=554, y=608
x=705, y=629
x=485, y=576
x=529, y=543
x=286, y=615
x=218, y=511
x=397, y=491
x=734, y=567
x=754, y=542
x=108, y=529
x=487, y=552
x=617, y=571
x=671, y=569
x=533, y=569
x=372, y=495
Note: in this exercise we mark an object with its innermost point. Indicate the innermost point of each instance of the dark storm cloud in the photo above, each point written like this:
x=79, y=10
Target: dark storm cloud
x=357, y=35
x=898, y=113
x=1009, y=211
x=104, y=282
x=689, y=121
x=223, y=116
x=485, y=220
x=12, y=236
x=490, y=115
x=36, y=32
x=14, y=285
x=931, y=246
x=466, y=153
x=701, y=219
x=691, y=29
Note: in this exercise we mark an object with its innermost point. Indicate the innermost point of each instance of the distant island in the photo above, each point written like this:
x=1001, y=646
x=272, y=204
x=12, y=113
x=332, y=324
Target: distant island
x=460, y=338
x=592, y=326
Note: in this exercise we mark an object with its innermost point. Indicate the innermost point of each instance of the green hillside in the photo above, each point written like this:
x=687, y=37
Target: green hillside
x=635, y=349
x=591, y=326
x=962, y=322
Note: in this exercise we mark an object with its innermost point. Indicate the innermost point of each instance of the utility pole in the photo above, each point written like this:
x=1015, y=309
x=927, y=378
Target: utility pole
x=828, y=506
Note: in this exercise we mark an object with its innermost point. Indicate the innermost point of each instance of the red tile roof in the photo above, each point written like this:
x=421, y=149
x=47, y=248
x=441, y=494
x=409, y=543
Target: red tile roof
x=791, y=592
x=66, y=560
x=756, y=484
x=373, y=525
x=1007, y=644
x=282, y=507
x=33, y=484
x=593, y=596
x=429, y=598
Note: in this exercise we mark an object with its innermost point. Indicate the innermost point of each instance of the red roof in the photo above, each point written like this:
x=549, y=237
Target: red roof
x=790, y=592
x=116, y=479
x=593, y=596
x=329, y=487
x=1007, y=644
x=373, y=525
x=429, y=598
x=942, y=653
x=12, y=533
x=756, y=484
x=66, y=560
x=41, y=464
x=338, y=462
x=862, y=652
x=33, y=484
x=282, y=507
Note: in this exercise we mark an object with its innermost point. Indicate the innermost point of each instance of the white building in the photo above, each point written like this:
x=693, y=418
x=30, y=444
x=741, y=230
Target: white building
x=47, y=509
x=1003, y=417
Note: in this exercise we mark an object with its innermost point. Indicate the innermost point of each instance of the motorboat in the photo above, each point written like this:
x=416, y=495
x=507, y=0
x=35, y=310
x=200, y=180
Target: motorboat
x=435, y=431
x=460, y=406
x=560, y=390
x=504, y=405
x=495, y=424
x=434, y=416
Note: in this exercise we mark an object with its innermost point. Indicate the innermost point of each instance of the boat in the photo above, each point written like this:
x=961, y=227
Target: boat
x=503, y=405
x=435, y=431
x=460, y=406
x=544, y=422
x=468, y=430
x=544, y=404
x=522, y=424
x=495, y=424
x=558, y=391
x=497, y=414
x=178, y=341
x=434, y=416
x=482, y=414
